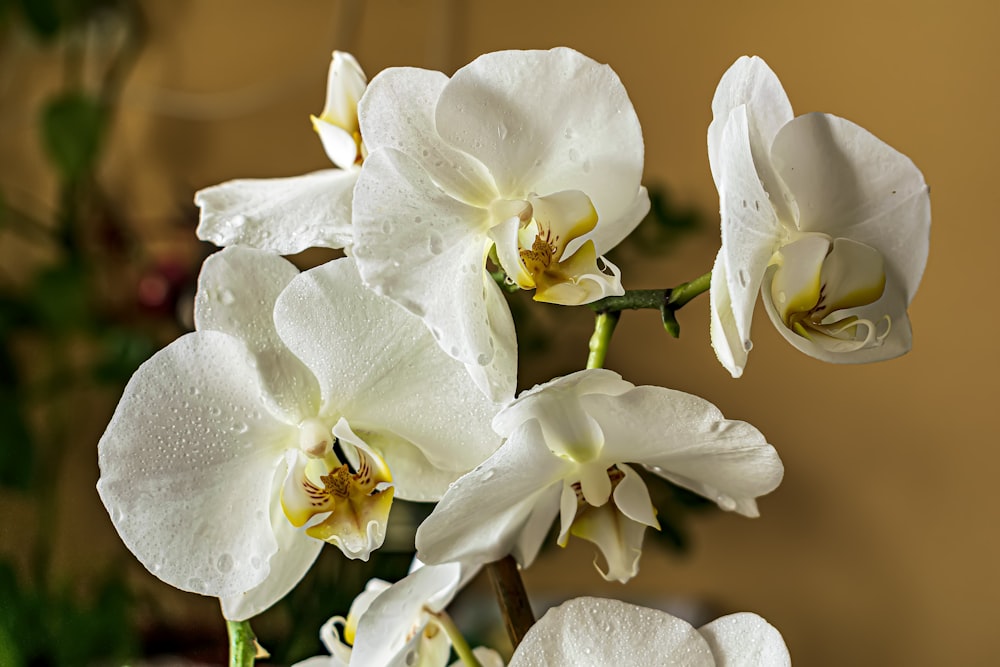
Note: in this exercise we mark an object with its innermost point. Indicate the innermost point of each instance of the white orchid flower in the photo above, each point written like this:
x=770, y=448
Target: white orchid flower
x=288, y=215
x=303, y=400
x=596, y=632
x=827, y=222
x=398, y=624
x=569, y=443
x=536, y=153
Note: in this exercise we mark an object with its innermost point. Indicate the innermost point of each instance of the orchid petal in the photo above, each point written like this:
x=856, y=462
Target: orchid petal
x=237, y=290
x=370, y=357
x=750, y=82
x=282, y=215
x=850, y=184
x=295, y=555
x=397, y=112
x=751, y=231
x=537, y=526
x=632, y=498
x=397, y=614
x=729, y=348
x=745, y=640
x=481, y=516
x=596, y=632
x=689, y=443
x=501, y=108
x=337, y=124
x=427, y=253
x=187, y=463
x=618, y=537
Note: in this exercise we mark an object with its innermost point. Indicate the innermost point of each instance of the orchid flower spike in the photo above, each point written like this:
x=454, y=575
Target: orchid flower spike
x=398, y=624
x=288, y=215
x=828, y=223
x=568, y=447
x=532, y=158
x=300, y=407
x=596, y=632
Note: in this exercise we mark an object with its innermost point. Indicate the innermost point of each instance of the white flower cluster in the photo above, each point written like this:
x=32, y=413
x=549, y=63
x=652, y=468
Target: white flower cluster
x=305, y=402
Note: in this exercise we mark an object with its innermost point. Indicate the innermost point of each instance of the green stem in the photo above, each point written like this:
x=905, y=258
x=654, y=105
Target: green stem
x=633, y=299
x=683, y=293
x=457, y=639
x=242, y=644
x=604, y=327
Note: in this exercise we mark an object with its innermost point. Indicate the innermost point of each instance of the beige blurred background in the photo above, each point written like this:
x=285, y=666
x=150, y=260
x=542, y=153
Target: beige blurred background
x=880, y=547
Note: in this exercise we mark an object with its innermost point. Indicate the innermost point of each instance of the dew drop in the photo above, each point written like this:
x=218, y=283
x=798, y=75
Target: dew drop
x=743, y=277
x=193, y=391
x=386, y=227
x=226, y=297
x=573, y=155
x=225, y=563
x=411, y=658
x=239, y=427
x=418, y=219
x=726, y=503
x=435, y=244
x=238, y=221
x=255, y=562
x=568, y=133
x=586, y=166
x=488, y=475
x=196, y=584
x=782, y=297
x=747, y=345
x=483, y=359
x=502, y=131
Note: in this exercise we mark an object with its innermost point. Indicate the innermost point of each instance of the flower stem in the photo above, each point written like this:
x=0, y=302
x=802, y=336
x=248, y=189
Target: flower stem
x=604, y=327
x=684, y=292
x=513, y=599
x=242, y=644
x=457, y=639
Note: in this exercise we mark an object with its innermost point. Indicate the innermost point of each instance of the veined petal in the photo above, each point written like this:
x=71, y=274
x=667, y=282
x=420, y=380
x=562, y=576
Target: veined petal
x=596, y=632
x=501, y=108
x=426, y=251
x=282, y=215
x=685, y=439
x=750, y=82
x=751, y=231
x=237, y=290
x=730, y=349
x=481, y=516
x=295, y=555
x=187, y=463
x=379, y=367
x=397, y=112
x=745, y=640
x=397, y=614
x=851, y=184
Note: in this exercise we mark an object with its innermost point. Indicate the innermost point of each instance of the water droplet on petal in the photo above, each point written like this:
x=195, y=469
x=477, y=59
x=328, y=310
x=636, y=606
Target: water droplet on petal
x=225, y=563
x=483, y=359
x=238, y=221
x=387, y=227
x=435, y=244
x=573, y=155
x=725, y=502
x=196, y=584
x=743, y=277
x=747, y=345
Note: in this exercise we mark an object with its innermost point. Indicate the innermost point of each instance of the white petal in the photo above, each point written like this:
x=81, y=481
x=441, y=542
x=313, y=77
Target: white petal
x=426, y=251
x=481, y=516
x=187, y=464
x=295, y=555
x=849, y=183
x=751, y=231
x=749, y=81
x=283, y=215
x=597, y=632
x=487, y=657
x=535, y=402
x=397, y=112
x=396, y=615
x=547, y=121
x=536, y=527
x=339, y=145
x=379, y=367
x=237, y=289
x=685, y=439
x=730, y=349
x=632, y=498
x=617, y=536
x=607, y=236
x=745, y=640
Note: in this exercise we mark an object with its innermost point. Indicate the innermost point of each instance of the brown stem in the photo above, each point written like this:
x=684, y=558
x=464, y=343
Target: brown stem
x=512, y=598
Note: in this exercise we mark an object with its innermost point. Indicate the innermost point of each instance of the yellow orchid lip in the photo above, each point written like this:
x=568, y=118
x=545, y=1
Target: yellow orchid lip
x=817, y=278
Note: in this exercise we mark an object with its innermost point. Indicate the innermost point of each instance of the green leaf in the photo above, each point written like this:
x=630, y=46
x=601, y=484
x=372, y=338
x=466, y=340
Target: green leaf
x=61, y=298
x=72, y=128
x=122, y=353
